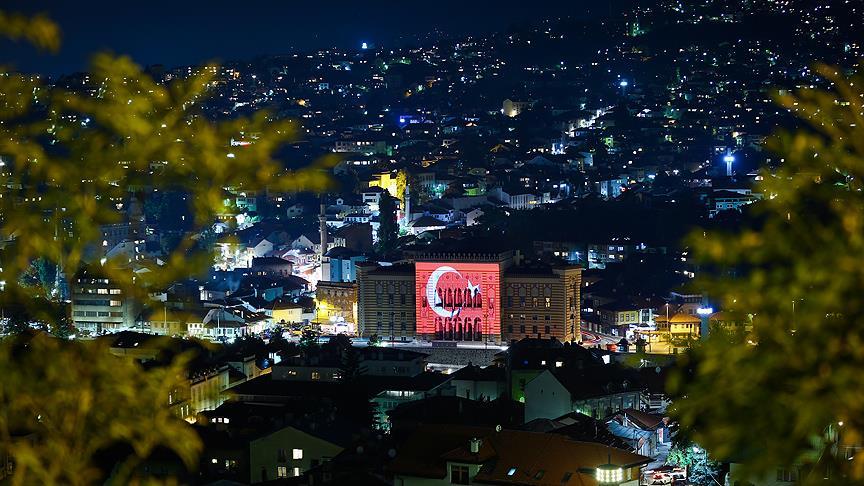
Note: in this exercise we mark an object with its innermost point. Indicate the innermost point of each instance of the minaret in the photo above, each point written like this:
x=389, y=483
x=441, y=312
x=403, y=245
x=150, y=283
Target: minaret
x=322, y=227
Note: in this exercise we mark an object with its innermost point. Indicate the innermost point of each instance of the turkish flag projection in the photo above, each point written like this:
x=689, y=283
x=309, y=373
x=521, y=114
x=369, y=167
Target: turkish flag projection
x=458, y=301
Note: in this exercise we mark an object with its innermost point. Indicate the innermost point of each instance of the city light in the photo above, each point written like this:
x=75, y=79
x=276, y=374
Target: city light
x=609, y=474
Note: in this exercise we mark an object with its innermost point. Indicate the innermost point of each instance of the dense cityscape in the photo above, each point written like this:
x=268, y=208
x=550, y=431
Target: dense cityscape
x=482, y=262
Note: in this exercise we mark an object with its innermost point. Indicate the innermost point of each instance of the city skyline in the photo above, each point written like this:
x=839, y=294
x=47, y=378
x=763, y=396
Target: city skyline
x=197, y=32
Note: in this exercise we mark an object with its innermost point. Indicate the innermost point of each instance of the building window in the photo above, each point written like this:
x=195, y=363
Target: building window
x=281, y=471
x=297, y=454
x=315, y=376
x=296, y=471
x=548, y=330
x=459, y=475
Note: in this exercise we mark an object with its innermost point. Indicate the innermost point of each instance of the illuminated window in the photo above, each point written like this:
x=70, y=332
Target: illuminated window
x=297, y=454
x=315, y=376
x=296, y=471
x=281, y=471
x=511, y=471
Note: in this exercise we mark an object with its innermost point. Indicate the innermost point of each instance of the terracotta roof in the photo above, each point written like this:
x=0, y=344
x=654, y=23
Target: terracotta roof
x=508, y=456
x=645, y=420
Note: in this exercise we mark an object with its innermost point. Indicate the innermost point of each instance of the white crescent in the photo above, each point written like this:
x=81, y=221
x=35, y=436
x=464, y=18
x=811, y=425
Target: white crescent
x=432, y=284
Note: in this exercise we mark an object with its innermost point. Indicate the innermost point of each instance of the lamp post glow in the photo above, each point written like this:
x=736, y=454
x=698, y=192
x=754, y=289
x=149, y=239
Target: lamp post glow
x=729, y=159
x=609, y=474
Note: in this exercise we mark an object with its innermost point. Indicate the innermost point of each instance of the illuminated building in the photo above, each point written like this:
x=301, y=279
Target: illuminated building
x=458, y=301
x=468, y=296
x=337, y=301
x=541, y=302
x=99, y=306
x=514, y=108
x=385, y=301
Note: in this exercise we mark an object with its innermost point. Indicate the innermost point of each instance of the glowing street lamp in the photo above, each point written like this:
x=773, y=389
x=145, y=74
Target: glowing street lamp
x=729, y=159
x=609, y=474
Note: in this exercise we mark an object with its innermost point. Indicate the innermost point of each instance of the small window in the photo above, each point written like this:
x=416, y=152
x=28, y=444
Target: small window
x=297, y=454
x=511, y=471
x=459, y=475
x=539, y=474
x=281, y=471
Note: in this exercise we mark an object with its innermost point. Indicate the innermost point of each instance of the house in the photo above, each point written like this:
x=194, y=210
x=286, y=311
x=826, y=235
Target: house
x=287, y=452
x=260, y=442
x=425, y=223
x=393, y=391
x=436, y=455
x=476, y=383
x=597, y=392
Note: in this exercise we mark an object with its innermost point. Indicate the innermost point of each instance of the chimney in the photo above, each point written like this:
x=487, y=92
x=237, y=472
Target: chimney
x=474, y=445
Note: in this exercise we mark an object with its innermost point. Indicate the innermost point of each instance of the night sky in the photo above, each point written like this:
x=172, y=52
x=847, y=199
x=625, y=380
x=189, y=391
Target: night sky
x=182, y=32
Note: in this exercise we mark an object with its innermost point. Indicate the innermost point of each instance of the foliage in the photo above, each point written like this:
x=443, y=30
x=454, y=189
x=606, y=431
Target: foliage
x=374, y=340
x=39, y=30
x=58, y=417
x=387, y=231
x=74, y=162
x=778, y=402
x=78, y=160
x=701, y=470
x=309, y=339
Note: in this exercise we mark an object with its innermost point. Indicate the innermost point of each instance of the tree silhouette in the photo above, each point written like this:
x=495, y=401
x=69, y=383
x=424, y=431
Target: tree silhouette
x=788, y=394
x=75, y=162
x=387, y=231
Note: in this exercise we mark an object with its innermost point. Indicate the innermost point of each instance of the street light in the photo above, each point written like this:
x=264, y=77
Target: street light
x=729, y=159
x=609, y=474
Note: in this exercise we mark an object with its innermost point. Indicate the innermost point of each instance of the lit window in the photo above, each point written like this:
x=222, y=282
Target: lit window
x=296, y=471
x=297, y=454
x=281, y=471
x=512, y=471
x=316, y=375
